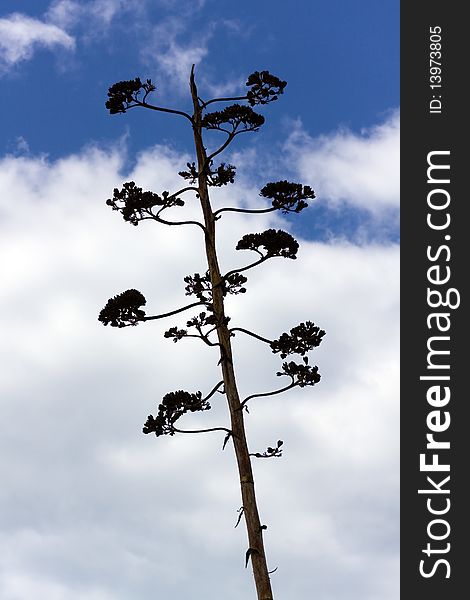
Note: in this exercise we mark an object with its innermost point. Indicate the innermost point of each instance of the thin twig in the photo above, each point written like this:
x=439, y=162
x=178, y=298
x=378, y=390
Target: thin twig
x=204, y=104
x=203, y=338
x=221, y=149
x=258, y=262
x=173, y=312
x=240, y=512
x=166, y=110
x=213, y=391
x=255, y=335
x=165, y=222
x=259, y=455
x=186, y=189
x=254, y=211
x=284, y=389
x=202, y=430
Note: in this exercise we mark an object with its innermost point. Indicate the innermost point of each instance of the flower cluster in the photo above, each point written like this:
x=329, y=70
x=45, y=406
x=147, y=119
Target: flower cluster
x=301, y=374
x=199, y=286
x=218, y=177
x=234, y=115
x=191, y=174
x=300, y=340
x=125, y=94
x=123, y=310
x=201, y=320
x=287, y=196
x=174, y=405
x=175, y=333
x=223, y=175
x=135, y=205
x=276, y=243
x=264, y=87
x=270, y=452
x=234, y=284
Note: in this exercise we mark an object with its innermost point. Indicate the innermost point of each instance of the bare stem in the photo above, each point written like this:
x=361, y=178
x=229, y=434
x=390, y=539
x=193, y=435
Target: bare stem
x=284, y=389
x=204, y=104
x=173, y=312
x=202, y=430
x=214, y=390
x=252, y=520
x=255, y=335
x=255, y=454
x=221, y=149
x=158, y=218
x=185, y=189
x=162, y=109
x=204, y=338
x=249, y=211
x=258, y=262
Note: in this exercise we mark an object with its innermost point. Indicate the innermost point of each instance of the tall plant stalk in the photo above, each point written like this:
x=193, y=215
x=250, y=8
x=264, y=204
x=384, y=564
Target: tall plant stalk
x=245, y=471
x=210, y=289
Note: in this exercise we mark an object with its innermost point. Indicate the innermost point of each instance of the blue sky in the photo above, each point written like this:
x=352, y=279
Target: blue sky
x=341, y=61
x=91, y=509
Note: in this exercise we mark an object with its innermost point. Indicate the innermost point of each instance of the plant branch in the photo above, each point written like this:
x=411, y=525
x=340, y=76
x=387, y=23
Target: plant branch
x=258, y=262
x=173, y=312
x=186, y=189
x=162, y=109
x=222, y=148
x=158, y=218
x=259, y=455
x=202, y=430
x=251, y=211
x=213, y=390
x=273, y=393
x=203, y=338
x=255, y=335
x=204, y=104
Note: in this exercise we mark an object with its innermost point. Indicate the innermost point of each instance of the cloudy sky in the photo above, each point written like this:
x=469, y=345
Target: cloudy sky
x=90, y=508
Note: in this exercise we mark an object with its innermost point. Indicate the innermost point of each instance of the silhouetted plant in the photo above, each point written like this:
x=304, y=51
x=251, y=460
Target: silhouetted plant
x=126, y=94
x=235, y=116
x=270, y=452
x=218, y=177
x=210, y=288
x=300, y=340
x=264, y=87
x=300, y=374
x=275, y=243
x=288, y=197
x=123, y=310
x=173, y=406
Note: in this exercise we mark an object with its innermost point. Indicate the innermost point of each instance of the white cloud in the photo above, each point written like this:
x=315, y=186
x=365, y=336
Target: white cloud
x=90, y=507
x=172, y=47
x=21, y=35
x=95, y=13
x=106, y=10
x=175, y=60
x=172, y=57
x=64, y=13
x=361, y=170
